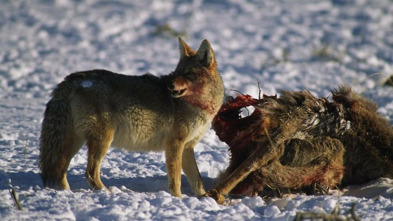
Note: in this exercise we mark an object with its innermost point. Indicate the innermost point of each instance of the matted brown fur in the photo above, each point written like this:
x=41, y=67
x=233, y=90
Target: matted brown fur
x=298, y=141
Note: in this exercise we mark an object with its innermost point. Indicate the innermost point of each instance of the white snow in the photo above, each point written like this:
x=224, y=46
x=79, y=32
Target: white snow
x=282, y=44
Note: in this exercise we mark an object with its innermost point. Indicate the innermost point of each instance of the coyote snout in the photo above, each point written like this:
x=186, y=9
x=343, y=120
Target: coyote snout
x=138, y=113
x=179, y=87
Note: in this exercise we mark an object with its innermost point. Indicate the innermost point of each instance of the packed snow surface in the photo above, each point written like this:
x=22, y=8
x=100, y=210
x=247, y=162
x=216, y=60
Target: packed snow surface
x=291, y=45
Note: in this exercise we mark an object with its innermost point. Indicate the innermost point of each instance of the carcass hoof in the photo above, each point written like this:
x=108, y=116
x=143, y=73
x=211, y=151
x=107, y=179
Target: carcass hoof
x=219, y=198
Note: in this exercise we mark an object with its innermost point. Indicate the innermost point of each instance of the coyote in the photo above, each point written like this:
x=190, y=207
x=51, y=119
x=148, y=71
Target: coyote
x=137, y=113
x=302, y=143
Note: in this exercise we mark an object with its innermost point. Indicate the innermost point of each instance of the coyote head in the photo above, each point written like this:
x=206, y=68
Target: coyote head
x=194, y=69
x=196, y=79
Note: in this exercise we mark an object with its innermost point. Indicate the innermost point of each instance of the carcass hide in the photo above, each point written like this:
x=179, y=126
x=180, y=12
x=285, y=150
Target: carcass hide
x=300, y=142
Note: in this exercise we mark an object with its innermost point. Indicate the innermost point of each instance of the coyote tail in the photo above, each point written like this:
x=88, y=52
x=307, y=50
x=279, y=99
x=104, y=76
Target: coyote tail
x=55, y=137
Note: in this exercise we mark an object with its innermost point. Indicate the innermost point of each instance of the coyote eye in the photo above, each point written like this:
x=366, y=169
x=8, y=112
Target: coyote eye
x=190, y=76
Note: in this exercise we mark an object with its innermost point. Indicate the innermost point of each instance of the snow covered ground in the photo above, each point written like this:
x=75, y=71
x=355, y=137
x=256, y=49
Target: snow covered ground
x=292, y=45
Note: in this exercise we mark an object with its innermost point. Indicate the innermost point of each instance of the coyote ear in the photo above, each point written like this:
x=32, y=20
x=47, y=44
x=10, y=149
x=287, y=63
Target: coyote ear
x=185, y=50
x=205, y=53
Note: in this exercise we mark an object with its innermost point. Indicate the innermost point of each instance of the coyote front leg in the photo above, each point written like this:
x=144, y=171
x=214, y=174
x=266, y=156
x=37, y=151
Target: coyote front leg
x=190, y=168
x=173, y=156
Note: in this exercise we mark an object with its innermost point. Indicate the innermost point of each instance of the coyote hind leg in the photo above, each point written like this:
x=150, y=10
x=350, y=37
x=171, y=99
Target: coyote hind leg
x=97, y=149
